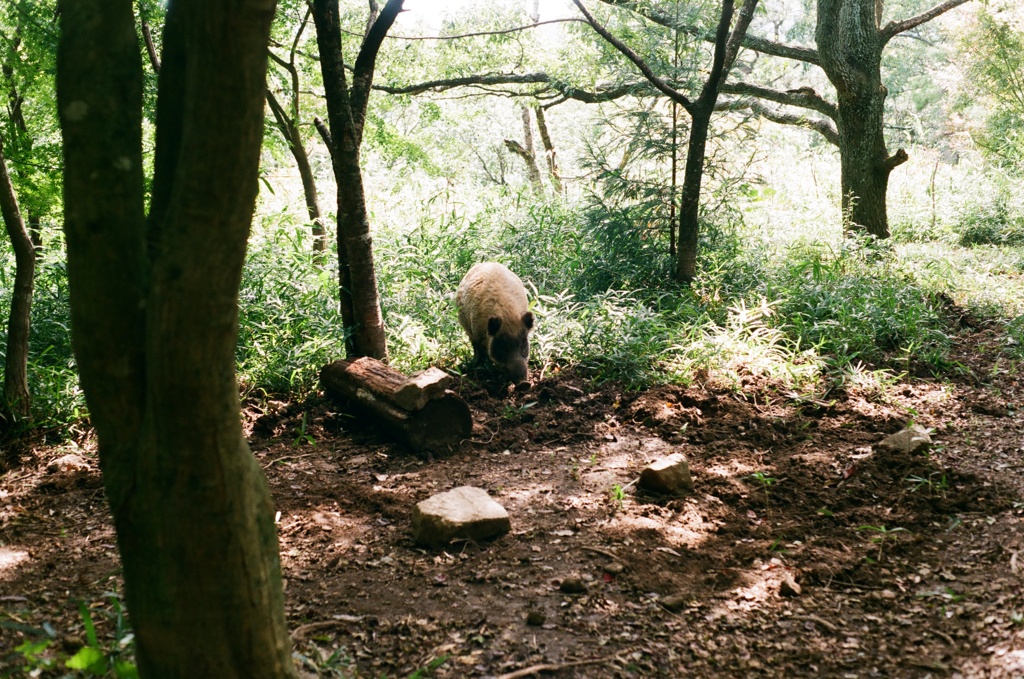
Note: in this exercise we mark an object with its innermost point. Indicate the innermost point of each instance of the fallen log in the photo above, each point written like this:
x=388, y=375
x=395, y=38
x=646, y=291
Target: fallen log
x=419, y=410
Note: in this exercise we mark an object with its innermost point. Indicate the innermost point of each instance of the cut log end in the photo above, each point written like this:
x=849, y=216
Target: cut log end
x=418, y=410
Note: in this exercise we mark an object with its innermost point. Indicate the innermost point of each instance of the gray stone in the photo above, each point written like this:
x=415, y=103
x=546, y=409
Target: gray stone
x=667, y=476
x=464, y=513
x=910, y=441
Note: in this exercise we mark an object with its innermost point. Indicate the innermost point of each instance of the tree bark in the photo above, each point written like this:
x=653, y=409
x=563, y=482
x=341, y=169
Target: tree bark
x=155, y=337
x=17, y=403
x=850, y=48
x=726, y=47
x=689, y=195
x=360, y=302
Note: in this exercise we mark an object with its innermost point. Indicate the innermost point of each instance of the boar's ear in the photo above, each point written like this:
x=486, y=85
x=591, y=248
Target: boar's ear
x=528, y=319
x=493, y=325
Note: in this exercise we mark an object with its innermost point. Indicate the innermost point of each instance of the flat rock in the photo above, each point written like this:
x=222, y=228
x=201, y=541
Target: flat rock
x=69, y=463
x=464, y=513
x=667, y=476
x=910, y=441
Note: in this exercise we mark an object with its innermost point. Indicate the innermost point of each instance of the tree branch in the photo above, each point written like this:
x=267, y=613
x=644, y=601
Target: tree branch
x=732, y=48
x=325, y=133
x=449, y=83
x=362, y=78
x=804, y=97
x=806, y=54
x=660, y=84
x=894, y=28
x=894, y=161
x=473, y=35
x=823, y=127
x=564, y=90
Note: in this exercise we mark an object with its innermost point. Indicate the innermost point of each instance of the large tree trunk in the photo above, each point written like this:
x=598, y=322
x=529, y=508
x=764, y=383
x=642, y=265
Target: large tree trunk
x=155, y=342
x=850, y=48
x=357, y=274
x=16, y=403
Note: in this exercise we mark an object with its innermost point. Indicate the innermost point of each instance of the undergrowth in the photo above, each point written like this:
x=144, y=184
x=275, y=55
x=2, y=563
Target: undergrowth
x=801, y=313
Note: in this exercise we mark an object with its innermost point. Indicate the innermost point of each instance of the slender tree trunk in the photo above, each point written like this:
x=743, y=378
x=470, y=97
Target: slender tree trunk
x=155, y=341
x=293, y=137
x=17, y=403
x=526, y=152
x=360, y=302
x=850, y=48
x=549, y=150
x=689, y=197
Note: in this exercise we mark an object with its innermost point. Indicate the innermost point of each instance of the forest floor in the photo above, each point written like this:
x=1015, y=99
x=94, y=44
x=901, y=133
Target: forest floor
x=908, y=566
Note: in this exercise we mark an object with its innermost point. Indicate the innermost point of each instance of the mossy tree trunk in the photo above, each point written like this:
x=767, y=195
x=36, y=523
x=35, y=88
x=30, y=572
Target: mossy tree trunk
x=154, y=325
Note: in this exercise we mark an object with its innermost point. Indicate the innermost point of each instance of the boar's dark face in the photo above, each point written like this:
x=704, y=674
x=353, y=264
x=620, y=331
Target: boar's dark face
x=509, y=347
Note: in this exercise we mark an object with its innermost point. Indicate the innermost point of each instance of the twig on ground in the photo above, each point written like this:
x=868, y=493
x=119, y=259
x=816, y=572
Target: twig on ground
x=598, y=550
x=818, y=621
x=553, y=667
x=282, y=459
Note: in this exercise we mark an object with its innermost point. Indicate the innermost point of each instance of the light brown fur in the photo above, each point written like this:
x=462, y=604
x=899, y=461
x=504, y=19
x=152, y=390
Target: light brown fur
x=491, y=291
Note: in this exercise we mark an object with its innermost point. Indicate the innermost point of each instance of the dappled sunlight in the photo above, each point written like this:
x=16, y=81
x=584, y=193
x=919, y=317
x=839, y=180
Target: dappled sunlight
x=732, y=468
x=759, y=586
x=10, y=558
x=688, y=530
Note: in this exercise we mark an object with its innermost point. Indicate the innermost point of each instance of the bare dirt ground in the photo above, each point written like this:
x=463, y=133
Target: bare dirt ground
x=907, y=566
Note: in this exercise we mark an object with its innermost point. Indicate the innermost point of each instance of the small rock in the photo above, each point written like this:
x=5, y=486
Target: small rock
x=614, y=568
x=667, y=476
x=68, y=463
x=910, y=441
x=789, y=587
x=535, y=618
x=573, y=585
x=466, y=513
x=674, y=602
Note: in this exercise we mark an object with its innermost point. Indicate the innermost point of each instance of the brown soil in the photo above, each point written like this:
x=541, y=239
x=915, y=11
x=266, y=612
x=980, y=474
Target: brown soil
x=907, y=566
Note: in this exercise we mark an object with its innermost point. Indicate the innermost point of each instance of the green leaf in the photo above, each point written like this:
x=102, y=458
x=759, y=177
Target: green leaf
x=90, y=629
x=89, y=659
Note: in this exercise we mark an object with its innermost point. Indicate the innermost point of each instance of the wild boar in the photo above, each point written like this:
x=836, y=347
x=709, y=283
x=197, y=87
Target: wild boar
x=494, y=312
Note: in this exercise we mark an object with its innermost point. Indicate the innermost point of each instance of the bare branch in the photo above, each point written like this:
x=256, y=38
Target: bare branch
x=154, y=59
x=479, y=33
x=325, y=133
x=362, y=78
x=449, y=83
x=820, y=125
x=894, y=28
x=804, y=97
x=660, y=84
x=739, y=32
x=564, y=90
x=797, y=52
